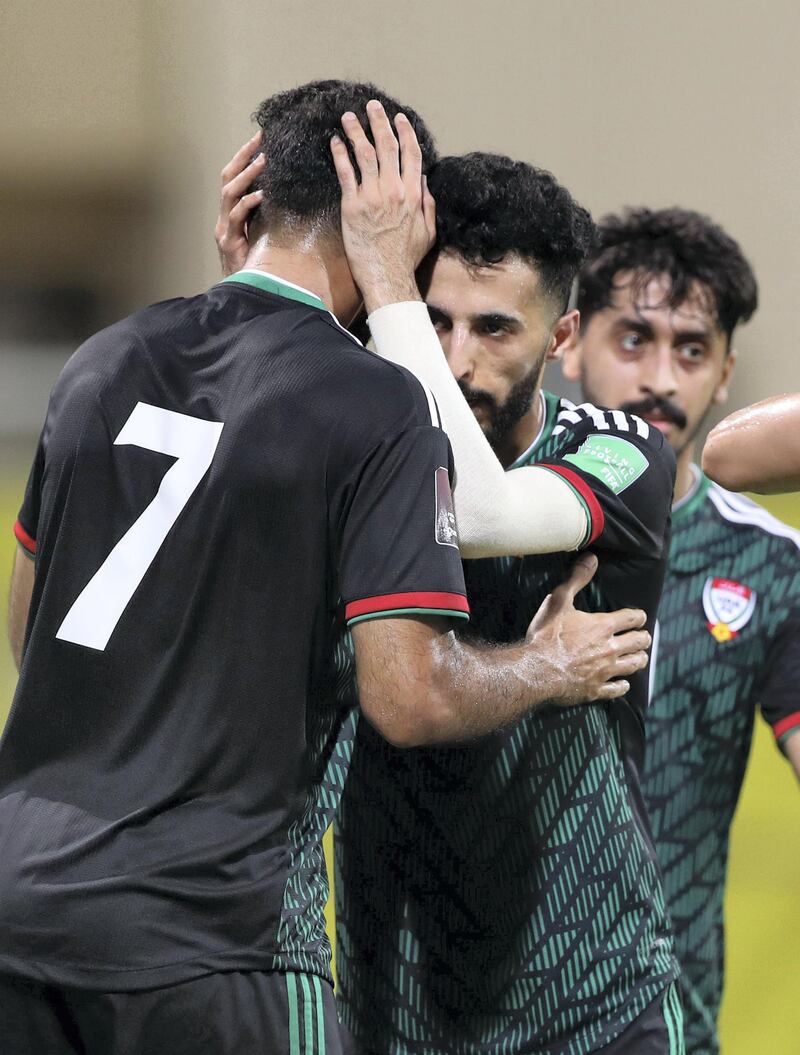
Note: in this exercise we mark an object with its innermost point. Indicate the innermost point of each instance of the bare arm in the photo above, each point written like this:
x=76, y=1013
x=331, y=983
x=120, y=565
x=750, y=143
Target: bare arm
x=758, y=448
x=791, y=749
x=419, y=684
x=19, y=602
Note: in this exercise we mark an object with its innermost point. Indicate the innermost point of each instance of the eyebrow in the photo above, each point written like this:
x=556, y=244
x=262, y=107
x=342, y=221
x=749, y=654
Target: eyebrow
x=679, y=337
x=487, y=318
x=496, y=319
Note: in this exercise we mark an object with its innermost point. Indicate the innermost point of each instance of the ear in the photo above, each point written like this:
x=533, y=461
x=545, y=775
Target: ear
x=570, y=351
x=721, y=391
x=564, y=335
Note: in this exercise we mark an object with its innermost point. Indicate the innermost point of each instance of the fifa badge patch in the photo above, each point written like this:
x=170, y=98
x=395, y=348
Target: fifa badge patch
x=617, y=462
x=728, y=606
x=445, y=532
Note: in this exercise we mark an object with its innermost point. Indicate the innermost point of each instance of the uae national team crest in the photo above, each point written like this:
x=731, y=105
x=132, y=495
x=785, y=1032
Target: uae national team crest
x=728, y=606
x=446, y=533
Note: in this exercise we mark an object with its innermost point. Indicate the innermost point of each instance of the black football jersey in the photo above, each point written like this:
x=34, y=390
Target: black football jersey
x=221, y=483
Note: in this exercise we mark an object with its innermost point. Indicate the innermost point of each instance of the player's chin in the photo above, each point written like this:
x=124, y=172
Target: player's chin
x=483, y=416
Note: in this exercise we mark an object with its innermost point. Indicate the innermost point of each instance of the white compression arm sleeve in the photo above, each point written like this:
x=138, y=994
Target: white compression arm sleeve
x=529, y=510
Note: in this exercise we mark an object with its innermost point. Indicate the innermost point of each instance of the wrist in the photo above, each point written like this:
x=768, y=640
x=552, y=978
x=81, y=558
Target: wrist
x=381, y=293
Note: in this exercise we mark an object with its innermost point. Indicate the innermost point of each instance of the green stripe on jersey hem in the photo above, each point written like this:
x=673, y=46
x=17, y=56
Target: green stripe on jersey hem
x=581, y=499
x=294, y=1020
x=308, y=1017
x=673, y=1017
x=320, y=1015
x=406, y=611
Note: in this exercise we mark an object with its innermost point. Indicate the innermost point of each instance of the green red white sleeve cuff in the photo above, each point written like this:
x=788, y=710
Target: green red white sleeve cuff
x=786, y=727
x=594, y=511
x=28, y=542
x=415, y=603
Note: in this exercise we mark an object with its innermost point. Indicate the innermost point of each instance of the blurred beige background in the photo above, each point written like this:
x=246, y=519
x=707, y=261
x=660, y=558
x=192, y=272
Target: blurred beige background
x=118, y=115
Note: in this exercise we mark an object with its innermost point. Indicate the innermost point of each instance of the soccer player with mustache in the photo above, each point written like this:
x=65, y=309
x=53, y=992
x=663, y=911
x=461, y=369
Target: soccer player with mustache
x=660, y=299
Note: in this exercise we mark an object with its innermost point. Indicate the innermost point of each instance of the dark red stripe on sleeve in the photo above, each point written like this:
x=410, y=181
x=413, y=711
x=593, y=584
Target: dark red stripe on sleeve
x=785, y=724
x=587, y=494
x=451, y=602
x=24, y=539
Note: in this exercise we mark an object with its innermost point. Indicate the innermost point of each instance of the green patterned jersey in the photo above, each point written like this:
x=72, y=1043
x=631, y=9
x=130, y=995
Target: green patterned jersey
x=728, y=640
x=502, y=897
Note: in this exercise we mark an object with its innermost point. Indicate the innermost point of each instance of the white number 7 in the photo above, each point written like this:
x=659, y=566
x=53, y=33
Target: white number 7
x=99, y=606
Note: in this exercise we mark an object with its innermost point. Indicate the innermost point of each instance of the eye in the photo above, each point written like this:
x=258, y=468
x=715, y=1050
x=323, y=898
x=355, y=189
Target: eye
x=631, y=342
x=692, y=353
x=441, y=323
x=495, y=328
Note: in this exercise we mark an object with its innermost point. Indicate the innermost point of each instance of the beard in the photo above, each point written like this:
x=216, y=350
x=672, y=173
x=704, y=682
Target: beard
x=503, y=417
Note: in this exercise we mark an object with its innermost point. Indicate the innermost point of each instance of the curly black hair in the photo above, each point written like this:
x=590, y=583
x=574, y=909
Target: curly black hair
x=687, y=248
x=299, y=182
x=488, y=206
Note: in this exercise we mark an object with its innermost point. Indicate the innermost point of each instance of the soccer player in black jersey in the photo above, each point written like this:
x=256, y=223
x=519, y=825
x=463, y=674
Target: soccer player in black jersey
x=221, y=482
x=660, y=299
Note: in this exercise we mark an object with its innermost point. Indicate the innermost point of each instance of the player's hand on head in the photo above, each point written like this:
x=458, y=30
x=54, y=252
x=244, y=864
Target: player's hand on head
x=235, y=205
x=592, y=654
x=389, y=217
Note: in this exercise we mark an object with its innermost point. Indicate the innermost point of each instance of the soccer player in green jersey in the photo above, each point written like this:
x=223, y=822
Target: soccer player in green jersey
x=660, y=299
x=503, y=896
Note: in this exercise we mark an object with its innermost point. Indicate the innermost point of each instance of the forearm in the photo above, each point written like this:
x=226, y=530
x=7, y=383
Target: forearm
x=528, y=511
x=480, y=689
x=19, y=601
x=757, y=448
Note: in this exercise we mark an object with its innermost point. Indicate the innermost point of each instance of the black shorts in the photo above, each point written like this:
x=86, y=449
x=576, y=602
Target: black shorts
x=657, y=1031
x=236, y=1013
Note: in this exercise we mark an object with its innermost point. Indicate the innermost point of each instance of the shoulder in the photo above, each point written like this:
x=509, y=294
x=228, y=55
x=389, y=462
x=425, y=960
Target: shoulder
x=588, y=425
x=753, y=522
x=386, y=394
x=588, y=417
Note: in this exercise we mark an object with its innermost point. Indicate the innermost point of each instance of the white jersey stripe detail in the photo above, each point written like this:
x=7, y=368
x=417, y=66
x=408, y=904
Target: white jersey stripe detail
x=598, y=416
x=436, y=417
x=740, y=510
x=642, y=428
x=570, y=416
x=651, y=673
x=621, y=420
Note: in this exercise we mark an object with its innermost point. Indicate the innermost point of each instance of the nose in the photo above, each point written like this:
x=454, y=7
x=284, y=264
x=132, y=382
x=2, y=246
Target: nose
x=460, y=353
x=659, y=378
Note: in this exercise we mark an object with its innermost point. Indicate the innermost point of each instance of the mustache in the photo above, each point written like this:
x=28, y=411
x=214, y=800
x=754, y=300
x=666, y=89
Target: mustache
x=667, y=409
x=475, y=396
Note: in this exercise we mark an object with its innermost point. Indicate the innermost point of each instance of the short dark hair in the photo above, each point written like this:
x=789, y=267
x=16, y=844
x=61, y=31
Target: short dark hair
x=299, y=181
x=489, y=206
x=687, y=248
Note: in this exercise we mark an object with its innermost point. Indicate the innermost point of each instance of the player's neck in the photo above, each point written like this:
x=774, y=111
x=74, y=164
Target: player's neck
x=313, y=267
x=684, y=478
x=520, y=438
